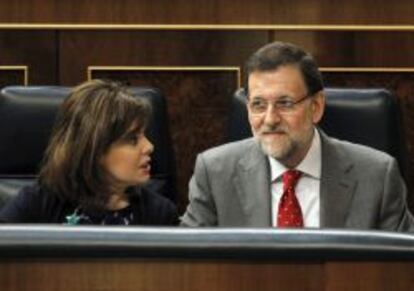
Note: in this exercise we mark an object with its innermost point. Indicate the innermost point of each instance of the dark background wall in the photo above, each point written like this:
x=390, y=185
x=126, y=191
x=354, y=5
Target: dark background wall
x=194, y=51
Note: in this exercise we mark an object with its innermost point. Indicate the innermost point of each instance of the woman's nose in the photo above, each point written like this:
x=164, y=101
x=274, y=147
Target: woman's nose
x=148, y=147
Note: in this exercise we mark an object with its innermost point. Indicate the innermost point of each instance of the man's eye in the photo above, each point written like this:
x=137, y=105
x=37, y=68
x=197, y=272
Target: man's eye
x=285, y=104
x=259, y=104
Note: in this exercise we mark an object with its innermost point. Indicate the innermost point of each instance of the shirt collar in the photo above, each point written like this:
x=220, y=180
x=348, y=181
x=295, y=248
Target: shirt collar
x=310, y=165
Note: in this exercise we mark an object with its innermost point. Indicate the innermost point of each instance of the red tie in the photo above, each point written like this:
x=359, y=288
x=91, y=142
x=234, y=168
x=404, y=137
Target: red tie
x=290, y=214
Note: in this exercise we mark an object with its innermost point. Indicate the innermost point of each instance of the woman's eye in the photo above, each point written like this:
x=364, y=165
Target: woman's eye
x=133, y=139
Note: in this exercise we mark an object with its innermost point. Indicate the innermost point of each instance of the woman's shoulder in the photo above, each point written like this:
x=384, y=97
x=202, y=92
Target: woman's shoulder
x=32, y=204
x=153, y=198
x=156, y=209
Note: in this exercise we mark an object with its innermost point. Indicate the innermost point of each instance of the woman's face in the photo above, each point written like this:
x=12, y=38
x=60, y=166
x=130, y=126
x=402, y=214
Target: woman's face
x=128, y=160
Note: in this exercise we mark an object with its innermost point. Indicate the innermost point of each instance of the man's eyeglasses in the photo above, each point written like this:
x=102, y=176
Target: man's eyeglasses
x=259, y=105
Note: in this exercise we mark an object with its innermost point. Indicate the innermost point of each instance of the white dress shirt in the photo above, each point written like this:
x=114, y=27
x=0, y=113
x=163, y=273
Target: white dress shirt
x=307, y=189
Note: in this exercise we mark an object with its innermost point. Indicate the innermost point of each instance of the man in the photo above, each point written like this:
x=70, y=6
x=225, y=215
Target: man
x=291, y=174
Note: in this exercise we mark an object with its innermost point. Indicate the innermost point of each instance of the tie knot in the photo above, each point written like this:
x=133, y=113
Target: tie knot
x=290, y=178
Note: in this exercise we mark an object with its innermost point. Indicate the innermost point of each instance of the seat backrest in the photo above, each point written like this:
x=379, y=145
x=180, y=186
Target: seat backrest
x=366, y=116
x=27, y=115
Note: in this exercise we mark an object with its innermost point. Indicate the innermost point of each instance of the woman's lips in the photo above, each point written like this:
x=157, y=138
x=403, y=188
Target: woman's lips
x=146, y=166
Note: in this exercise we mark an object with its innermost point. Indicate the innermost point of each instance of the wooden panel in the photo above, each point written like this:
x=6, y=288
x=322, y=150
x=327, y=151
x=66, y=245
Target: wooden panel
x=328, y=48
x=13, y=75
x=157, y=276
x=401, y=84
x=363, y=276
x=34, y=49
x=384, y=49
x=198, y=104
x=208, y=12
x=354, y=48
x=80, y=49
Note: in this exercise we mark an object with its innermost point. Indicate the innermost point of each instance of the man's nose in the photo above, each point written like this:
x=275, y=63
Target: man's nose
x=271, y=115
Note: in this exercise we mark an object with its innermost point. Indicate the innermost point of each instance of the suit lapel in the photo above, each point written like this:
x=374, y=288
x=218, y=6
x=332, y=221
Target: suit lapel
x=252, y=185
x=337, y=185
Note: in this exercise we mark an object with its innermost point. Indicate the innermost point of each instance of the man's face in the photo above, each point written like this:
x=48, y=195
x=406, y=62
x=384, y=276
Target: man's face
x=283, y=129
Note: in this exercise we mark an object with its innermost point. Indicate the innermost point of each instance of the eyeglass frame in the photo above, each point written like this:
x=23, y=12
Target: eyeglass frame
x=282, y=106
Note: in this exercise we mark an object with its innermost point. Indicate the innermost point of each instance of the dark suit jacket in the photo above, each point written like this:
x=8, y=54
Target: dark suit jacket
x=36, y=205
x=361, y=188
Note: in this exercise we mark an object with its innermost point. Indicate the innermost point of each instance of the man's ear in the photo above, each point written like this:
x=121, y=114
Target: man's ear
x=318, y=106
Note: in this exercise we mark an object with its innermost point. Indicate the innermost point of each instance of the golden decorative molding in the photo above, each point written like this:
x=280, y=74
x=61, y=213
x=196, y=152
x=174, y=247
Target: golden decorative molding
x=91, y=69
x=25, y=70
x=367, y=69
x=280, y=27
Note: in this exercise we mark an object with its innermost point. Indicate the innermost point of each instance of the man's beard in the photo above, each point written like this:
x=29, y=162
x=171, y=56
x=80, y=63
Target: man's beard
x=281, y=150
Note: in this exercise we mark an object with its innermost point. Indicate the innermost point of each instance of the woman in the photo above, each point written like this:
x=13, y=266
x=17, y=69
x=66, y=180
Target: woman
x=96, y=162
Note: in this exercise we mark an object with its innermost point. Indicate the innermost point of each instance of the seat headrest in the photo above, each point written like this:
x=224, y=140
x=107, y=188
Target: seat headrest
x=367, y=116
x=27, y=115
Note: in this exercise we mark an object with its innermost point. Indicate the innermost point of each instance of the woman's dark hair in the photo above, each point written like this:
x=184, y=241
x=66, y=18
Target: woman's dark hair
x=274, y=55
x=96, y=114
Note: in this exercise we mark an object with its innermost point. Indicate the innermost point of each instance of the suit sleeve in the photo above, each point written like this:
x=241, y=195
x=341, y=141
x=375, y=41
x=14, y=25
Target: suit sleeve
x=395, y=215
x=201, y=210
